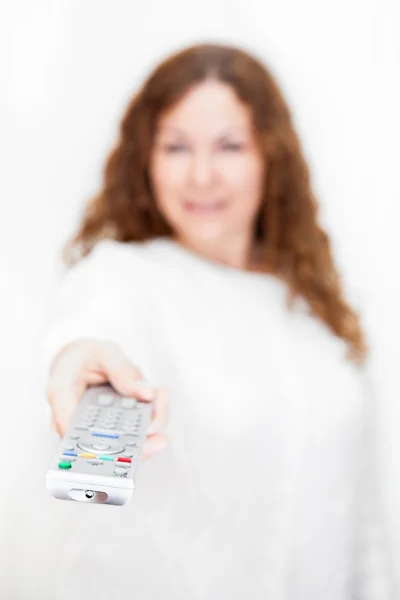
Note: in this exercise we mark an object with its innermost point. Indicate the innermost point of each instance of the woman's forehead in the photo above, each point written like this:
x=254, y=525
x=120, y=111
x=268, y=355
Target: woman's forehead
x=214, y=108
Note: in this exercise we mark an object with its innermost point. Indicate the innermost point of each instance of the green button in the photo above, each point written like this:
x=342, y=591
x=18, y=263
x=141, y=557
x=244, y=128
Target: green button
x=64, y=464
x=106, y=457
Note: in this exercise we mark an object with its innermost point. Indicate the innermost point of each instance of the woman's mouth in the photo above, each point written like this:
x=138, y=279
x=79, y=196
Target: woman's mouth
x=204, y=208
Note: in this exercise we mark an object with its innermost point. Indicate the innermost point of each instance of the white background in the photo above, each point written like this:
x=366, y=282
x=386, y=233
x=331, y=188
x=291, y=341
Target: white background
x=67, y=71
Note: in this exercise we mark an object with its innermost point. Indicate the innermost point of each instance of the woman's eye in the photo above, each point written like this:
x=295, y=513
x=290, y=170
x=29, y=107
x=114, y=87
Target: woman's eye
x=232, y=147
x=175, y=148
x=178, y=148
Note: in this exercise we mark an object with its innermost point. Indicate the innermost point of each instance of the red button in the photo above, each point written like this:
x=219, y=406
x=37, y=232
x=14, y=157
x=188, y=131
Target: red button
x=124, y=459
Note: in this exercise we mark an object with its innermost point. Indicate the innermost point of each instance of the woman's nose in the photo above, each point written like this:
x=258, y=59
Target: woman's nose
x=202, y=169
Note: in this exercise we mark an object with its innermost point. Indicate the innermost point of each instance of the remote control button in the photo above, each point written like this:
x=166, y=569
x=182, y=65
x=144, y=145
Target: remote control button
x=128, y=402
x=128, y=419
x=131, y=443
x=106, y=457
x=89, y=447
x=87, y=455
x=123, y=459
x=64, y=464
x=106, y=435
x=70, y=448
x=82, y=427
x=95, y=462
x=122, y=466
x=128, y=454
x=74, y=437
x=120, y=471
x=69, y=453
x=101, y=447
x=105, y=399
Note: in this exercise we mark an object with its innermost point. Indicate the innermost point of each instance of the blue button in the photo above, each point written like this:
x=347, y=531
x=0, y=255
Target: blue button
x=106, y=435
x=69, y=453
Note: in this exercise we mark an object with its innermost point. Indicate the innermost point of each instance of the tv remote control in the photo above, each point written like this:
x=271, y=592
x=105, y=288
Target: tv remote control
x=100, y=452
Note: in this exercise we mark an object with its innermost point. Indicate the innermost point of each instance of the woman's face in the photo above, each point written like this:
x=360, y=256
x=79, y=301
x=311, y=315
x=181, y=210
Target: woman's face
x=206, y=169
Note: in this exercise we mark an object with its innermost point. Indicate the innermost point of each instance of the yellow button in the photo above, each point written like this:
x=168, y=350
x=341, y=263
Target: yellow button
x=87, y=455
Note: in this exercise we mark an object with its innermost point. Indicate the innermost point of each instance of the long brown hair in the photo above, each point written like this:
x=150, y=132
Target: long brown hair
x=295, y=247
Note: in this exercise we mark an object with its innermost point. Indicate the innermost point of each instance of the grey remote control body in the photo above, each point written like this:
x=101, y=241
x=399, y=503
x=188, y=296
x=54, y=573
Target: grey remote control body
x=100, y=452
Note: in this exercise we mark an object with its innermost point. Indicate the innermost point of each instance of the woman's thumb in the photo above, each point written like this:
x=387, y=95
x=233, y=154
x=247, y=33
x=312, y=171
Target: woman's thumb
x=123, y=375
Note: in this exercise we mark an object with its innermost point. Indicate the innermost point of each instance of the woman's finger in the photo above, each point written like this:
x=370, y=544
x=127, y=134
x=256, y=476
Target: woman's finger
x=54, y=424
x=153, y=445
x=160, y=411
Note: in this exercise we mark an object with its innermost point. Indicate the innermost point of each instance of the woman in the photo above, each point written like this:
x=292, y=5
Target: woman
x=180, y=272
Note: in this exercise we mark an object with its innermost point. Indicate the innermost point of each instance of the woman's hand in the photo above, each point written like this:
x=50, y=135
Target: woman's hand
x=90, y=362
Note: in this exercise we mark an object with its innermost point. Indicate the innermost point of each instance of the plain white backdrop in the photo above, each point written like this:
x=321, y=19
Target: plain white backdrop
x=68, y=69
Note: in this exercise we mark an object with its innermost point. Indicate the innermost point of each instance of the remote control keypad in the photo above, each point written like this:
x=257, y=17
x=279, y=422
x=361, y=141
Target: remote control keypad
x=106, y=434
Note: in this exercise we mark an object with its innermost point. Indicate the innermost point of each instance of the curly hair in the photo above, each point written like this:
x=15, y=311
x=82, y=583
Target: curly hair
x=295, y=247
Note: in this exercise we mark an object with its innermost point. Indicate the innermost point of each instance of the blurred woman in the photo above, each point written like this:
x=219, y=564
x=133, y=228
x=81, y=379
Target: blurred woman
x=202, y=280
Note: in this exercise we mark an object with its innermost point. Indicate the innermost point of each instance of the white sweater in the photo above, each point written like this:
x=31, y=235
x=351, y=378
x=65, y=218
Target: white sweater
x=266, y=488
